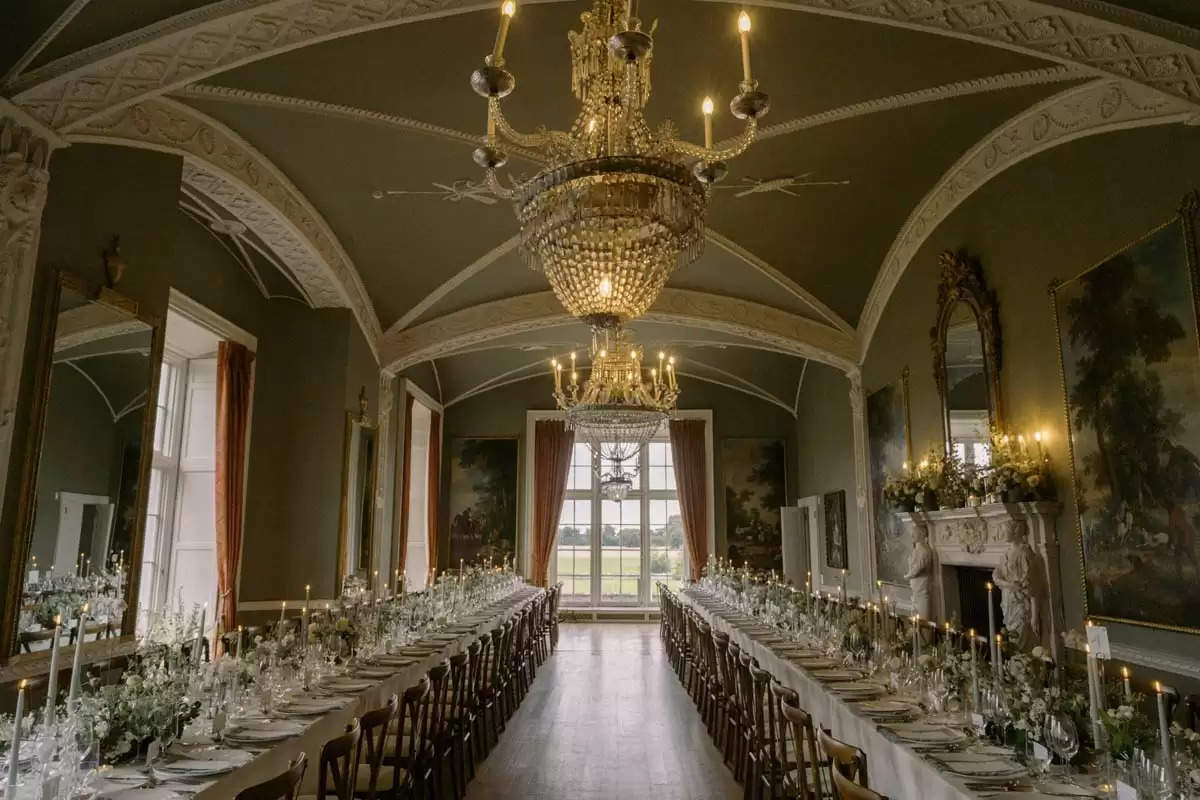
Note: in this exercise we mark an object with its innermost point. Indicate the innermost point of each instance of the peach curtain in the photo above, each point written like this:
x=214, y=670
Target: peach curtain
x=552, y=444
x=688, y=450
x=435, y=474
x=405, y=485
x=235, y=381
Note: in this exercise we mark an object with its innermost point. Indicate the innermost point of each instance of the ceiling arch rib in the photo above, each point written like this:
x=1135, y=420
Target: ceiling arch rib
x=69, y=92
x=1092, y=108
x=459, y=330
x=226, y=169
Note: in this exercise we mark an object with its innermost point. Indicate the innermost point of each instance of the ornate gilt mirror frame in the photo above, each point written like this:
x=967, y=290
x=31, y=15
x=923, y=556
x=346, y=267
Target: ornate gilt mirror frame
x=354, y=421
x=26, y=504
x=962, y=281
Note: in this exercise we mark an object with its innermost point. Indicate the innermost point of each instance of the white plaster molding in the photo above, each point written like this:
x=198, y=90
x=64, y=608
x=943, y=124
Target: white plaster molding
x=205, y=317
x=948, y=91
x=1093, y=108
x=456, y=280
x=69, y=13
x=191, y=46
x=225, y=94
x=459, y=330
x=734, y=382
x=1140, y=49
x=24, y=178
x=225, y=168
x=385, y=462
x=799, y=386
x=869, y=569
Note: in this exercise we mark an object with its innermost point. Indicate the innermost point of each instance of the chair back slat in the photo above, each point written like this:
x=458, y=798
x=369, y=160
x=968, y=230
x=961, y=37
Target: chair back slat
x=338, y=769
x=373, y=742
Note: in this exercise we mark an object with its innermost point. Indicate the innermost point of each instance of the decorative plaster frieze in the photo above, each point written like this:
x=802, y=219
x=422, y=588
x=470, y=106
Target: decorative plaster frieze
x=1093, y=108
x=24, y=178
x=460, y=330
x=223, y=167
x=189, y=47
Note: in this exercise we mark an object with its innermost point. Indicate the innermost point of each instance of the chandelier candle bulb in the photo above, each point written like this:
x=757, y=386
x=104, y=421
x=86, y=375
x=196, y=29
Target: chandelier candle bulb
x=707, y=109
x=507, y=9
x=744, y=31
x=52, y=678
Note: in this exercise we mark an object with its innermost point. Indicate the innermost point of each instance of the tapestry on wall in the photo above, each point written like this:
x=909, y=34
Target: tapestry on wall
x=888, y=448
x=483, y=500
x=754, y=472
x=835, y=530
x=1127, y=336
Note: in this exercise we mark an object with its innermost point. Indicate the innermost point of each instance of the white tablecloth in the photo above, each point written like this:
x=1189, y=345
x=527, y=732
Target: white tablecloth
x=274, y=761
x=893, y=769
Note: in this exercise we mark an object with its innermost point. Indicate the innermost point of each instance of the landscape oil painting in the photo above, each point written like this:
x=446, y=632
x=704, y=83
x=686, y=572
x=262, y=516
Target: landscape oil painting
x=888, y=448
x=835, y=530
x=1131, y=371
x=754, y=474
x=483, y=500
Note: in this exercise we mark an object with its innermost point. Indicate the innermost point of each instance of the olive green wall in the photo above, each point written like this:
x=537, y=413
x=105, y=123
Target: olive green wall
x=309, y=367
x=501, y=412
x=1050, y=216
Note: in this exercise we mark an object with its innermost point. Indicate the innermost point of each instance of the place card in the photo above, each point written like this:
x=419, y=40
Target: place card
x=1097, y=636
x=1040, y=753
x=1126, y=792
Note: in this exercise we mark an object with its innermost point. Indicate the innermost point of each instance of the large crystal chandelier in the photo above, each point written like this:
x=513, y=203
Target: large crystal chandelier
x=620, y=405
x=616, y=207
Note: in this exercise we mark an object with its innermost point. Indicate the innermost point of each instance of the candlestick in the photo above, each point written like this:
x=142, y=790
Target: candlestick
x=14, y=765
x=52, y=678
x=76, y=672
x=1125, y=682
x=1164, y=735
x=999, y=658
x=282, y=609
x=240, y=639
x=843, y=598
x=1093, y=694
x=744, y=31
x=991, y=625
x=506, y=13
x=974, y=672
x=706, y=108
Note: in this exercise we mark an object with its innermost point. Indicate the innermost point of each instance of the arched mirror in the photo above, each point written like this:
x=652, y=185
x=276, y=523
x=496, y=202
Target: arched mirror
x=966, y=357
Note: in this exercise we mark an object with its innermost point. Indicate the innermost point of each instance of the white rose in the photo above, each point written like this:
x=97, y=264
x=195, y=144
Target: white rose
x=1039, y=652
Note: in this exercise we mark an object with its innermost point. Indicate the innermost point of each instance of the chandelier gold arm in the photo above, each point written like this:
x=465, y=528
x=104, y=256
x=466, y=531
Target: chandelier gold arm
x=498, y=189
x=733, y=150
x=552, y=140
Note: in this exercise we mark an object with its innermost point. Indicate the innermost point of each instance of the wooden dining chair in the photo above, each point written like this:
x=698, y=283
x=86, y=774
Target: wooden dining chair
x=845, y=760
x=378, y=779
x=809, y=778
x=849, y=790
x=284, y=786
x=338, y=769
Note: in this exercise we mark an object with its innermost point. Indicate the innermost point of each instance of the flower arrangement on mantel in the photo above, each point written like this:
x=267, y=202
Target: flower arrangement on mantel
x=1018, y=473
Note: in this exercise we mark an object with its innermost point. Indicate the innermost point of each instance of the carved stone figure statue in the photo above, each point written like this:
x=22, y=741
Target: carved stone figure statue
x=1016, y=578
x=920, y=571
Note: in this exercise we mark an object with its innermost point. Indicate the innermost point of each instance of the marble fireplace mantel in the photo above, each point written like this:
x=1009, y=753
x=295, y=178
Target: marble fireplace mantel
x=978, y=537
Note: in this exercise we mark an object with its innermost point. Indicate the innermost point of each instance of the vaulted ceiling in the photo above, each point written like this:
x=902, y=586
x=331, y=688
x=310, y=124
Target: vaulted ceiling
x=327, y=144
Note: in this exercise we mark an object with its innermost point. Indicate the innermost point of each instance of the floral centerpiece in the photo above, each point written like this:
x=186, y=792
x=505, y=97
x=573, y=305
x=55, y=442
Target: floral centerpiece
x=1187, y=753
x=1019, y=473
x=1128, y=728
x=150, y=703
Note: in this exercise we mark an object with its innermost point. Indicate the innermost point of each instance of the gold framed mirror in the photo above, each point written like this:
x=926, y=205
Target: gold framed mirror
x=356, y=529
x=82, y=503
x=966, y=357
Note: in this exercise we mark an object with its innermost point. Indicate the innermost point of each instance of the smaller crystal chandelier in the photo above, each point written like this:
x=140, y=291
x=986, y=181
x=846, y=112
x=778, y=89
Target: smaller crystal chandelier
x=616, y=411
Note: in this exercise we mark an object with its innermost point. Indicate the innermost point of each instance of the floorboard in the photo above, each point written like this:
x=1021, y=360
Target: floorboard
x=605, y=719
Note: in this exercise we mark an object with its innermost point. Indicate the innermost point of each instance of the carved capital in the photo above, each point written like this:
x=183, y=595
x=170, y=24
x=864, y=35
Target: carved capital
x=24, y=177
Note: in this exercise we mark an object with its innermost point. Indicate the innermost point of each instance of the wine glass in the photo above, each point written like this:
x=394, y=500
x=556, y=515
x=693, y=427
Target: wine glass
x=1062, y=737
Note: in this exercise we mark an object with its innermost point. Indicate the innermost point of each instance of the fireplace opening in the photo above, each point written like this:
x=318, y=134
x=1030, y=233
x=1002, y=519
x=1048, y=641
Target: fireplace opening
x=972, y=598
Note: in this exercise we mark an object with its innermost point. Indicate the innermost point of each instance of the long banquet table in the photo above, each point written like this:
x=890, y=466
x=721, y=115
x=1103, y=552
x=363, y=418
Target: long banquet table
x=273, y=761
x=894, y=769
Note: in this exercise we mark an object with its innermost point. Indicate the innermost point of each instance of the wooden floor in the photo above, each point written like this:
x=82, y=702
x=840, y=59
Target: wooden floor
x=606, y=719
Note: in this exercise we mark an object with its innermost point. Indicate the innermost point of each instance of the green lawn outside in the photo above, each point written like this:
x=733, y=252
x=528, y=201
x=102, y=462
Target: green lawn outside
x=621, y=567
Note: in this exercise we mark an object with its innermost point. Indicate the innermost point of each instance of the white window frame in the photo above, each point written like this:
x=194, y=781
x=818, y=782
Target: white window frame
x=524, y=554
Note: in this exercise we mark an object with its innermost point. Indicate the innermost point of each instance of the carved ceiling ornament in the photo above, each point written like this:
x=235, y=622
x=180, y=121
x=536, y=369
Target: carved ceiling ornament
x=1092, y=108
x=970, y=534
x=188, y=47
x=962, y=281
x=226, y=169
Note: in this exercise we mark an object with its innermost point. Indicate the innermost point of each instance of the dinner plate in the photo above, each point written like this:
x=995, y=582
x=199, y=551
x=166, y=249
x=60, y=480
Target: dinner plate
x=193, y=768
x=347, y=685
x=309, y=706
x=817, y=663
x=836, y=675
x=155, y=793
x=928, y=734
x=393, y=660
x=856, y=689
x=886, y=708
x=374, y=672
